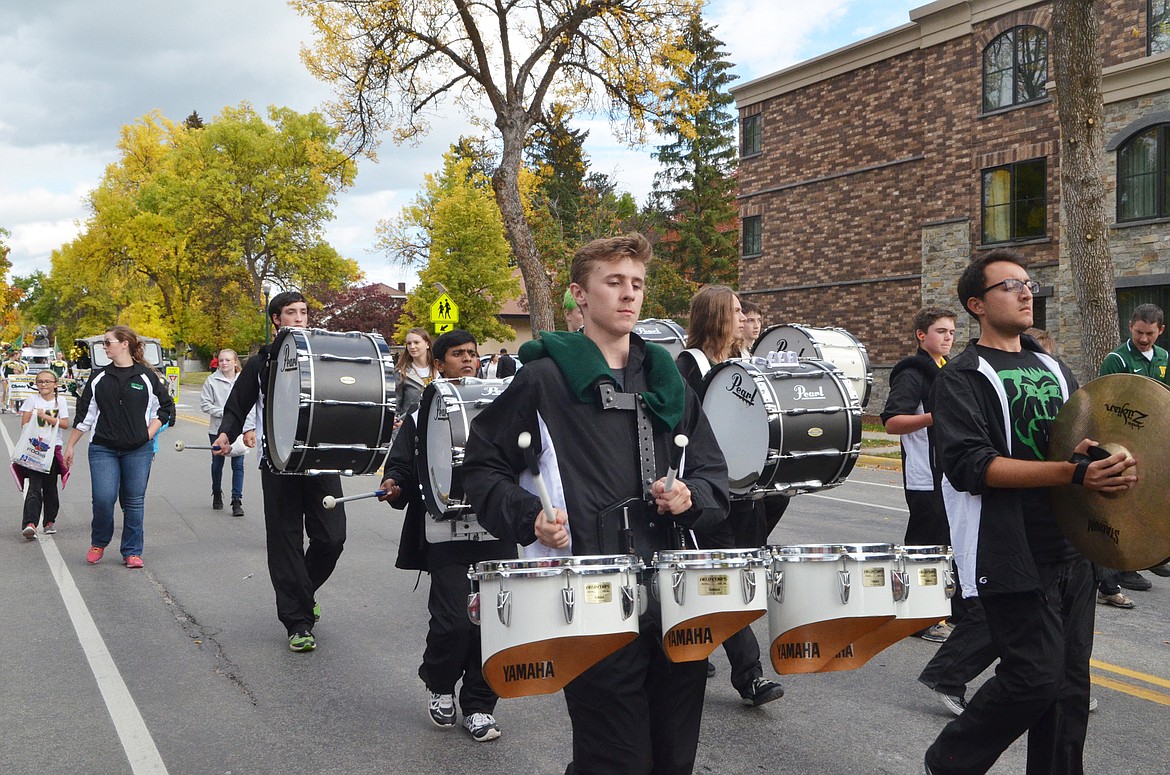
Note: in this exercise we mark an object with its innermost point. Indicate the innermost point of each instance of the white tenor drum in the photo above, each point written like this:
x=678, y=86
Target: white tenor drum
x=329, y=402
x=834, y=345
x=707, y=596
x=663, y=332
x=445, y=412
x=544, y=622
x=782, y=427
x=824, y=597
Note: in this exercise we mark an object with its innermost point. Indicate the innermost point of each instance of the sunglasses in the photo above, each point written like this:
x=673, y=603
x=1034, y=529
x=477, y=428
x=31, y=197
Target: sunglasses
x=108, y=342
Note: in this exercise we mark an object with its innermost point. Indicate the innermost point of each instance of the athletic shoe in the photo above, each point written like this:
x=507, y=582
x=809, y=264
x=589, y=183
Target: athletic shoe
x=482, y=727
x=952, y=702
x=1092, y=704
x=302, y=640
x=30, y=531
x=217, y=500
x=237, y=508
x=710, y=669
x=316, y=611
x=1117, y=600
x=94, y=554
x=938, y=633
x=1131, y=579
x=442, y=710
x=762, y=691
x=133, y=561
x=50, y=528
x=1162, y=569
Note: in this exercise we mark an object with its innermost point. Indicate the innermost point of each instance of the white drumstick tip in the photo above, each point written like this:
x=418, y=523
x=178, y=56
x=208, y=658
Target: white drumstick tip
x=329, y=501
x=179, y=446
x=524, y=441
x=681, y=440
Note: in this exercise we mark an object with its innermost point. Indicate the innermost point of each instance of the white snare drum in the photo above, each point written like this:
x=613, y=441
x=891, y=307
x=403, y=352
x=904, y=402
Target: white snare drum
x=445, y=413
x=822, y=598
x=328, y=402
x=663, y=332
x=544, y=622
x=835, y=345
x=791, y=427
x=707, y=596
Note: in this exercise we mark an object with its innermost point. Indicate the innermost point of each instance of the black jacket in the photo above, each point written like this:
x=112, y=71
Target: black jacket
x=505, y=366
x=119, y=402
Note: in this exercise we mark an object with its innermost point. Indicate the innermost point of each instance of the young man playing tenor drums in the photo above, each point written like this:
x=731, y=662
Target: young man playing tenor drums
x=452, y=653
x=292, y=503
x=632, y=712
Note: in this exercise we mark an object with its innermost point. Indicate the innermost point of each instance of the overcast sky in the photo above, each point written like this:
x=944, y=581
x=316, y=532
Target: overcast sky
x=73, y=72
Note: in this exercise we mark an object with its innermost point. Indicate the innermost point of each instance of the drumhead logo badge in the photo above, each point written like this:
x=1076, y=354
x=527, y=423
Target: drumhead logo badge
x=804, y=394
x=346, y=380
x=736, y=389
x=289, y=362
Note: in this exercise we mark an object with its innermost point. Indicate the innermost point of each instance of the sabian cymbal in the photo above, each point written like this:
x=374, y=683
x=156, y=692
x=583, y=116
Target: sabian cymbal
x=1129, y=530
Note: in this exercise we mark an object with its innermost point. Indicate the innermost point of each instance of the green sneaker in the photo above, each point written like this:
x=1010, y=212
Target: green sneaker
x=302, y=641
x=316, y=611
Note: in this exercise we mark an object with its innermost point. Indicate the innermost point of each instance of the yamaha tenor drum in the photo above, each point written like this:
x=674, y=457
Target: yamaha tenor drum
x=544, y=622
x=329, y=402
x=782, y=427
x=834, y=345
x=707, y=596
x=663, y=332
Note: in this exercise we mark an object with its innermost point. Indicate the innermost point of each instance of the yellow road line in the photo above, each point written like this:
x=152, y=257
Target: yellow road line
x=1133, y=691
x=199, y=419
x=1125, y=671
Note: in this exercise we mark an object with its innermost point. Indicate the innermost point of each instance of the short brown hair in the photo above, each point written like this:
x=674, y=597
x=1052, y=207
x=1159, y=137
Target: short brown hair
x=602, y=251
x=928, y=316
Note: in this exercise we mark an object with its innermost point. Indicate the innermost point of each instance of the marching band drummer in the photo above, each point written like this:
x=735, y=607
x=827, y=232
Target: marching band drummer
x=581, y=396
x=453, y=643
x=292, y=503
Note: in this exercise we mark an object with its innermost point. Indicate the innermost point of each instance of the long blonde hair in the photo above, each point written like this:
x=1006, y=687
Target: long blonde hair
x=405, y=360
x=712, y=327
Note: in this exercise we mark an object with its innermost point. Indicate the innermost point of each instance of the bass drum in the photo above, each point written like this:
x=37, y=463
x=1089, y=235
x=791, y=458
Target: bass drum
x=663, y=332
x=329, y=402
x=783, y=427
x=835, y=345
x=444, y=424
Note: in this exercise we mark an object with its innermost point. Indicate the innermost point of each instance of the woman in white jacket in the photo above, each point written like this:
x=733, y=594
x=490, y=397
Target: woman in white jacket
x=215, y=393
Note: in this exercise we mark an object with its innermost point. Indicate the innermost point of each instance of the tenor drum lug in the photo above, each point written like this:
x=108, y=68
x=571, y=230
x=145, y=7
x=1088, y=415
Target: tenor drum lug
x=900, y=585
x=748, y=577
x=844, y=583
x=677, y=578
x=776, y=585
x=949, y=580
x=568, y=603
x=504, y=606
x=457, y=454
x=473, y=608
x=629, y=600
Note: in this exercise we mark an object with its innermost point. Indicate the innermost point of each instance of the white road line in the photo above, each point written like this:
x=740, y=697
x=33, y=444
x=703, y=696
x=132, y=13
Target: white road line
x=132, y=732
x=873, y=484
x=859, y=503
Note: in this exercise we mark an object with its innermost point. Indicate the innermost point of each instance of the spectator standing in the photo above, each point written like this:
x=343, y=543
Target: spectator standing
x=212, y=399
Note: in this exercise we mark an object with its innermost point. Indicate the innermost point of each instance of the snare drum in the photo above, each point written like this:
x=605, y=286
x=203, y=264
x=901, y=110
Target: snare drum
x=544, y=622
x=663, y=332
x=793, y=427
x=329, y=402
x=835, y=345
x=822, y=598
x=922, y=587
x=445, y=413
x=707, y=596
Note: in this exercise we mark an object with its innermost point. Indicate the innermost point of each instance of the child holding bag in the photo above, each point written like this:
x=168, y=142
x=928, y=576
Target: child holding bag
x=51, y=416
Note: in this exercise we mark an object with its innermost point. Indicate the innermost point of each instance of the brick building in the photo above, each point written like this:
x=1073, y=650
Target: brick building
x=871, y=175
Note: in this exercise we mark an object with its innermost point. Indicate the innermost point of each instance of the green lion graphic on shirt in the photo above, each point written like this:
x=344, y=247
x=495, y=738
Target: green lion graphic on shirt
x=1034, y=399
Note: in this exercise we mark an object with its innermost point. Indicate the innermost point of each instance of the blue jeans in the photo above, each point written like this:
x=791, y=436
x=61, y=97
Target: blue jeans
x=217, y=473
x=119, y=475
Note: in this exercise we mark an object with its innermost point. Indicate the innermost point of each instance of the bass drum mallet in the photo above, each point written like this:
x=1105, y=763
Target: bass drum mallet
x=330, y=501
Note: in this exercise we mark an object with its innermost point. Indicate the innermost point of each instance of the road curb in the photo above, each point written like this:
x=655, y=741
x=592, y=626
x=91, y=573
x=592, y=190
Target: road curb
x=873, y=461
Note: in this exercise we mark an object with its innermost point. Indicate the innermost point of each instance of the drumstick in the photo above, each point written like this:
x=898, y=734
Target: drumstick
x=180, y=446
x=680, y=443
x=525, y=443
x=329, y=501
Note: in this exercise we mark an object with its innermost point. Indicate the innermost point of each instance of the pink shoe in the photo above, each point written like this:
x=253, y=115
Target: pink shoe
x=133, y=561
x=94, y=554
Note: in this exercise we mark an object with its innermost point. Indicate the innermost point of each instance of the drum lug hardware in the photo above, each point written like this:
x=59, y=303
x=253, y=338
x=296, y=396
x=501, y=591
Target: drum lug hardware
x=844, y=583
x=504, y=606
x=748, y=577
x=900, y=585
x=776, y=585
x=473, y=608
x=949, y=581
x=568, y=603
x=676, y=584
x=629, y=601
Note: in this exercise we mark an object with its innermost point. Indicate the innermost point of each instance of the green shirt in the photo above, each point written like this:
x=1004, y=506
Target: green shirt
x=1127, y=359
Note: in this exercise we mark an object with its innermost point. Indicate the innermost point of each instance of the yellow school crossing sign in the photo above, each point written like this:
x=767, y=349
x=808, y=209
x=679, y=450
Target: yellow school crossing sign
x=444, y=314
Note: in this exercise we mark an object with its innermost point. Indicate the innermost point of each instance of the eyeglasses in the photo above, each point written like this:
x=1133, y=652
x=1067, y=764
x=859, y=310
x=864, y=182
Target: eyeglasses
x=46, y=382
x=108, y=342
x=1012, y=285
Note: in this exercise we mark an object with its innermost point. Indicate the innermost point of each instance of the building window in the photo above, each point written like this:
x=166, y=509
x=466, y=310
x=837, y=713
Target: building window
x=1015, y=68
x=1142, y=168
x=752, y=237
x=1158, y=26
x=750, y=135
x=1015, y=201
x=1129, y=299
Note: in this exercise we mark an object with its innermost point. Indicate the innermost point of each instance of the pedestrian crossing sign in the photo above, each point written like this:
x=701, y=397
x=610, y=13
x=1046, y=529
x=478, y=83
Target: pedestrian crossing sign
x=444, y=311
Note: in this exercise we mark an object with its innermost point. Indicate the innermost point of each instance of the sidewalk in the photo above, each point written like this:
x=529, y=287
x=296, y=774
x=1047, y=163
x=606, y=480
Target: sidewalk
x=870, y=456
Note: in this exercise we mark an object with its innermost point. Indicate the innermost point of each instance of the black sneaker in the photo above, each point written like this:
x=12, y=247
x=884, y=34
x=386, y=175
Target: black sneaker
x=954, y=703
x=1131, y=579
x=762, y=691
x=710, y=670
x=482, y=727
x=1161, y=569
x=302, y=640
x=237, y=508
x=442, y=710
x=217, y=500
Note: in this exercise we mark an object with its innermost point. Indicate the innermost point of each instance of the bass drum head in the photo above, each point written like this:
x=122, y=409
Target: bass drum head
x=834, y=345
x=662, y=332
x=739, y=404
x=282, y=401
x=437, y=410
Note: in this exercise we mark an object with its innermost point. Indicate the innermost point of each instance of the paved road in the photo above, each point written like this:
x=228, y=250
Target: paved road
x=183, y=667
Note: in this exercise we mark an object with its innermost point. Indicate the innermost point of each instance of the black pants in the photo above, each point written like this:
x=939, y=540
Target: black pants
x=40, y=492
x=928, y=524
x=635, y=712
x=963, y=656
x=453, y=643
x=1044, y=639
x=292, y=508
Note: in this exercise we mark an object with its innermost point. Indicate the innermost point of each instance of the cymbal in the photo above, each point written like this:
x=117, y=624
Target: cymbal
x=1128, y=530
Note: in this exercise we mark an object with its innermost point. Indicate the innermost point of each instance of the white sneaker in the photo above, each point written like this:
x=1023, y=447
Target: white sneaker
x=956, y=705
x=482, y=727
x=442, y=710
x=29, y=532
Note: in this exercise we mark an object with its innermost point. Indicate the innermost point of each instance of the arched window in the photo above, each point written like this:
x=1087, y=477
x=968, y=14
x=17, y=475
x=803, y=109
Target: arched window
x=1142, y=169
x=1015, y=68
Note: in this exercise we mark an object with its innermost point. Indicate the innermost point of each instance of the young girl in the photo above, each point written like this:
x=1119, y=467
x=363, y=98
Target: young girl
x=414, y=373
x=49, y=410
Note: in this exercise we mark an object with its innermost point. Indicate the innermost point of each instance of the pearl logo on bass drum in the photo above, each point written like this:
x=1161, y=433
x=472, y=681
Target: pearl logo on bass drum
x=736, y=389
x=804, y=394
